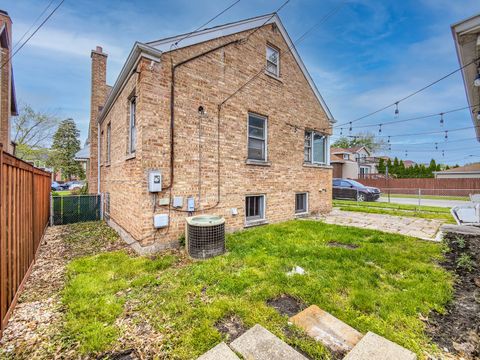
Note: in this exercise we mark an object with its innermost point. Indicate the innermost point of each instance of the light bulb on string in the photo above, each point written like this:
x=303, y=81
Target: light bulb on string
x=397, y=112
x=446, y=135
x=441, y=120
x=350, y=129
x=388, y=141
x=443, y=152
x=390, y=147
x=341, y=131
x=406, y=153
x=380, y=128
x=436, y=146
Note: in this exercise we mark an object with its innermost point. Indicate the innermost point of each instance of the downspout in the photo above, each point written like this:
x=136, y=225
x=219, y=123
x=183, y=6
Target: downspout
x=98, y=158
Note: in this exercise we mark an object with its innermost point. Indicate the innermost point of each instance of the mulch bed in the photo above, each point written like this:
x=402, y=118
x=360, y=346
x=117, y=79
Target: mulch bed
x=458, y=330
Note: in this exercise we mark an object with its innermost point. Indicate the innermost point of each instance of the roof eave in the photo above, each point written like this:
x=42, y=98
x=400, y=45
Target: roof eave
x=138, y=51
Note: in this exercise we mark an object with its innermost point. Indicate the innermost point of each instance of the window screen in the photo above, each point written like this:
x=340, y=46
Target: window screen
x=257, y=137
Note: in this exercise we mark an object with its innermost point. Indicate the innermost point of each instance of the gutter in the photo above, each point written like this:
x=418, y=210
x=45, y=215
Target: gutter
x=139, y=50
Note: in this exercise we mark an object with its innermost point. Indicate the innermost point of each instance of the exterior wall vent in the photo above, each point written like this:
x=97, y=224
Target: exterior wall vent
x=205, y=236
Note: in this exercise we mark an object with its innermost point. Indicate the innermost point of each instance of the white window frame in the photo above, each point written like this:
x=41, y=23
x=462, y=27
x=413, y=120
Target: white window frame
x=326, y=149
x=132, y=125
x=265, y=135
x=346, y=157
x=277, y=73
x=256, y=219
x=306, y=203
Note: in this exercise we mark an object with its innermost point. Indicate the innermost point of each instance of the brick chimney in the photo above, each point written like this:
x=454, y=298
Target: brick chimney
x=5, y=80
x=99, y=91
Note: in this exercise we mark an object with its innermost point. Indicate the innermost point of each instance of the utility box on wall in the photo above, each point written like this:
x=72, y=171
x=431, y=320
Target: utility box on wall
x=154, y=181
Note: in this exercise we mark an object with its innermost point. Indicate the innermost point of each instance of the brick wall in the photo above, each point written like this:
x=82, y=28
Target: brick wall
x=288, y=102
x=5, y=86
x=99, y=92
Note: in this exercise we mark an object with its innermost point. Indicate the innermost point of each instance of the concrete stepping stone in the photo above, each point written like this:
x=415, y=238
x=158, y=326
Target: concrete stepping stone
x=337, y=336
x=260, y=344
x=375, y=347
x=221, y=351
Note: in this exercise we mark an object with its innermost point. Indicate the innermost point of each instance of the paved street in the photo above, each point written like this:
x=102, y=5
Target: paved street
x=425, y=202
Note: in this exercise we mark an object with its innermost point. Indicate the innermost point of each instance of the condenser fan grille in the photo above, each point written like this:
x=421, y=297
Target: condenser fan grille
x=205, y=241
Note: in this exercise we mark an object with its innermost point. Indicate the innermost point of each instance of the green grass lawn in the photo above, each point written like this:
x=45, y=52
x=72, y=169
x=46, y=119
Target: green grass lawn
x=383, y=286
x=424, y=212
x=62, y=193
x=434, y=197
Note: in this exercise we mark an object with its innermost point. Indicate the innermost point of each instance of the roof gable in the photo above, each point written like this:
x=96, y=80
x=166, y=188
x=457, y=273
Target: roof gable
x=197, y=37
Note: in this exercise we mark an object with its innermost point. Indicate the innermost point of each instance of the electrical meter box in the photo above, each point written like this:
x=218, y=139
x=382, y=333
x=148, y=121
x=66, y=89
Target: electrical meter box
x=160, y=221
x=190, y=204
x=154, y=181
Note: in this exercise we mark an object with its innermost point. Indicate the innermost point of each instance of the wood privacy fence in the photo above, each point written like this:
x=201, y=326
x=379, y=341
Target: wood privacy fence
x=430, y=185
x=24, y=214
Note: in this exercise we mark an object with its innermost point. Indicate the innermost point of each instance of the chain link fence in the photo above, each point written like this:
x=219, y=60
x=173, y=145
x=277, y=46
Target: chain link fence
x=434, y=197
x=71, y=209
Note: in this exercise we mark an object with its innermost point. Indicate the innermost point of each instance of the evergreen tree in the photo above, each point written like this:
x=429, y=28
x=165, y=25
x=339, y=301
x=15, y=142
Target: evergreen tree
x=381, y=166
x=65, y=145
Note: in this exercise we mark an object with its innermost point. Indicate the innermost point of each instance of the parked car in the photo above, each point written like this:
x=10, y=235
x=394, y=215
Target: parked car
x=58, y=187
x=351, y=189
x=72, y=185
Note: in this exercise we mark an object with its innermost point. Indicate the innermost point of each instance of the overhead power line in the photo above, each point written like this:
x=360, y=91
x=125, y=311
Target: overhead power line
x=33, y=24
x=7, y=61
x=395, y=103
x=208, y=22
x=266, y=21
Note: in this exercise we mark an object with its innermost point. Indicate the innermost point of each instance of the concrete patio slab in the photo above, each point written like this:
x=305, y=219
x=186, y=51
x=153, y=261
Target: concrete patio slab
x=327, y=329
x=221, y=351
x=260, y=344
x=375, y=347
x=425, y=229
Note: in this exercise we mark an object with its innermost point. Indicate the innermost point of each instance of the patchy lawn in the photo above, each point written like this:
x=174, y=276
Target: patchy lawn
x=172, y=307
x=433, y=197
x=424, y=212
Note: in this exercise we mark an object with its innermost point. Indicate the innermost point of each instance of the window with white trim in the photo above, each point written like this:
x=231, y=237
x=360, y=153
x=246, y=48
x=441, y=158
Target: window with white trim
x=273, y=61
x=346, y=156
x=257, y=137
x=254, y=208
x=132, y=133
x=315, y=148
x=301, y=203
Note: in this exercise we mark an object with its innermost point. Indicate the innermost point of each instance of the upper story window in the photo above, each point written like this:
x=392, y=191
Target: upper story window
x=346, y=156
x=257, y=137
x=109, y=140
x=132, y=133
x=315, y=149
x=273, y=61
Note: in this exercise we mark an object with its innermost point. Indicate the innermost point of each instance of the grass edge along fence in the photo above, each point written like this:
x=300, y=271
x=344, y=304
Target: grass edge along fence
x=24, y=215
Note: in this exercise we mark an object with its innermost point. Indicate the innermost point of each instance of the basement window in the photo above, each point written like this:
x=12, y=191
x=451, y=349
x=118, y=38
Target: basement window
x=254, y=208
x=301, y=203
x=132, y=134
x=315, y=148
x=273, y=61
x=257, y=137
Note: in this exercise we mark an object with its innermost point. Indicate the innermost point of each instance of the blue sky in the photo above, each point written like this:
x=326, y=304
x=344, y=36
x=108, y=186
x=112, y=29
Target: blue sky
x=368, y=55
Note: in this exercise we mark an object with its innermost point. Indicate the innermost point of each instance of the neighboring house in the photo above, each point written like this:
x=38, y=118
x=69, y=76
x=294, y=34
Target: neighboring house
x=471, y=171
x=466, y=35
x=409, y=163
x=83, y=156
x=254, y=154
x=8, y=102
x=352, y=163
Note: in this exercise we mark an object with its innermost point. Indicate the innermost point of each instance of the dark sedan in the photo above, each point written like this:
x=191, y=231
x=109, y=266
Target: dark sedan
x=353, y=190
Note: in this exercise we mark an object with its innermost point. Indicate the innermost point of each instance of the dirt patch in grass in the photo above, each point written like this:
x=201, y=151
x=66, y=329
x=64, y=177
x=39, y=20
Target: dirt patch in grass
x=458, y=330
x=287, y=305
x=342, y=245
x=129, y=354
x=231, y=326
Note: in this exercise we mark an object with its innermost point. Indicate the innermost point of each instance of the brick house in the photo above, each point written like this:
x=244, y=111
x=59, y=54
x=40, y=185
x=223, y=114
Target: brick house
x=8, y=103
x=254, y=154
